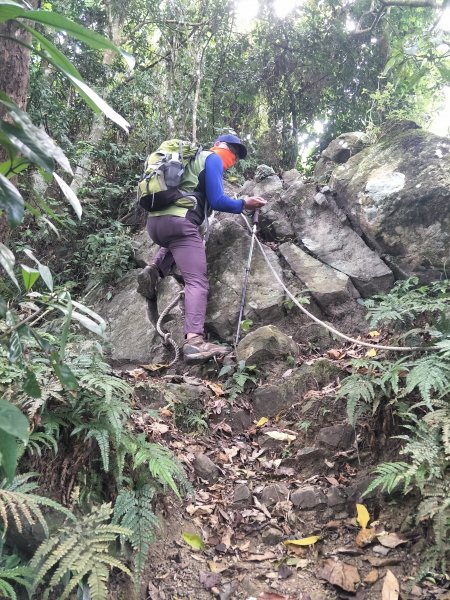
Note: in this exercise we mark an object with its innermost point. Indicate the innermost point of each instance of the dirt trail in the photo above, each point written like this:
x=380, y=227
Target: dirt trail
x=253, y=492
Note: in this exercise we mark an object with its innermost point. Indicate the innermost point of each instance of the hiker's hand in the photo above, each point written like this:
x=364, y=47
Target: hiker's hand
x=254, y=202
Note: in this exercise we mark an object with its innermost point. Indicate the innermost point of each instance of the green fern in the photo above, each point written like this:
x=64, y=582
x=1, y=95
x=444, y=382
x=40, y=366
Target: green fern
x=435, y=506
x=19, y=504
x=160, y=462
x=133, y=510
x=391, y=476
x=12, y=572
x=359, y=391
x=428, y=374
x=80, y=554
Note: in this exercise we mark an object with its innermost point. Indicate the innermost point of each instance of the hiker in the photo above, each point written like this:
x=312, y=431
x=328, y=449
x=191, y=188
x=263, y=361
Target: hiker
x=176, y=231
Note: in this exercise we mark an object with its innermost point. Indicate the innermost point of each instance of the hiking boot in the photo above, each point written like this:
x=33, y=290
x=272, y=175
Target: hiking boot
x=197, y=350
x=147, y=281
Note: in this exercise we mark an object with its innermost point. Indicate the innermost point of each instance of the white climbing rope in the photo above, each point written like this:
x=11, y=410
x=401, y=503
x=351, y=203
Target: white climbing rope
x=167, y=337
x=325, y=325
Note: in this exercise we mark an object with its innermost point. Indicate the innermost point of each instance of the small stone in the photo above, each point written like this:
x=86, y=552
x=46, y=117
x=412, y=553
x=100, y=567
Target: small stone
x=263, y=171
x=307, y=497
x=242, y=495
x=381, y=550
x=336, y=496
x=272, y=536
x=320, y=199
x=205, y=468
x=339, y=436
x=276, y=492
x=325, y=189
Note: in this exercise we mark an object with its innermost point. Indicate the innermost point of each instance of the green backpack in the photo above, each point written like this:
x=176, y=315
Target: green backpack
x=159, y=186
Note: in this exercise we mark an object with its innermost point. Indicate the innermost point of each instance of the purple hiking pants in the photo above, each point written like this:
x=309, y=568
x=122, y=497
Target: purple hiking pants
x=182, y=244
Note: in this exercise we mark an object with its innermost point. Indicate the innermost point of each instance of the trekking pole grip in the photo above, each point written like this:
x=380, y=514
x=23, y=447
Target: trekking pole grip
x=255, y=217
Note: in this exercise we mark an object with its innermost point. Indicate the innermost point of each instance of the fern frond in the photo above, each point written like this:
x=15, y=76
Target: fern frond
x=18, y=503
x=39, y=439
x=390, y=476
x=133, y=509
x=356, y=389
x=430, y=373
x=80, y=553
x=161, y=464
x=101, y=436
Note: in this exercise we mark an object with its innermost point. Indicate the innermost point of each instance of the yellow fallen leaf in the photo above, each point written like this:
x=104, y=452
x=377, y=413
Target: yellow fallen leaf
x=154, y=367
x=262, y=421
x=374, y=333
x=363, y=517
x=309, y=541
x=194, y=541
x=280, y=436
x=371, y=353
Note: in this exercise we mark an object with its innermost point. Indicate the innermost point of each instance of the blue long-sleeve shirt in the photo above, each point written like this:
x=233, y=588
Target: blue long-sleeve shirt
x=217, y=200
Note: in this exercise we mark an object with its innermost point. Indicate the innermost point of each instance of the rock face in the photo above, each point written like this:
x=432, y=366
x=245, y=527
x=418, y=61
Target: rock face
x=338, y=152
x=397, y=193
x=131, y=333
x=227, y=251
x=385, y=214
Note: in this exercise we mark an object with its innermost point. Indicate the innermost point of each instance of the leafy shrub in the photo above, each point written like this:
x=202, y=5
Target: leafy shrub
x=106, y=254
x=417, y=386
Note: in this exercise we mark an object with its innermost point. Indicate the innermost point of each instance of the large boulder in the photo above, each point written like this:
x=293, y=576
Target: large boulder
x=265, y=344
x=132, y=335
x=323, y=233
x=228, y=250
x=330, y=288
x=338, y=152
x=397, y=193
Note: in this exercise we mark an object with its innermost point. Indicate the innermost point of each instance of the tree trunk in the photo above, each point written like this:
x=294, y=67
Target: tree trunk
x=14, y=75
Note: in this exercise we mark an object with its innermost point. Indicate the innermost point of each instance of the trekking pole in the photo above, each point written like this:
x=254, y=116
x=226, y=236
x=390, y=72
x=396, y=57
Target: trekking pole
x=255, y=218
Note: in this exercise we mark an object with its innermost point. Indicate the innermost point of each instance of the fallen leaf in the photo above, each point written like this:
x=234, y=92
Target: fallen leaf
x=345, y=550
x=382, y=562
x=216, y=567
x=374, y=333
x=165, y=412
x=298, y=563
x=193, y=540
x=152, y=591
x=154, y=367
x=210, y=580
x=391, y=540
x=365, y=537
x=262, y=421
x=160, y=428
x=261, y=557
x=363, y=516
x=270, y=596
x=216, y=388
x=333, y=353
x=262, y=507
x=341, y=574
x=332, y=480
x=391, y=587
x=309, y=541
x=280, y=436
x=372, y=576
x=371, y=353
